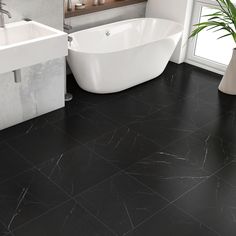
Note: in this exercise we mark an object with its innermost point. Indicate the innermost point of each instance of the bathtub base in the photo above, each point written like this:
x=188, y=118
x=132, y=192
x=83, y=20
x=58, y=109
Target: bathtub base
x=90, y=89
x=109, y=89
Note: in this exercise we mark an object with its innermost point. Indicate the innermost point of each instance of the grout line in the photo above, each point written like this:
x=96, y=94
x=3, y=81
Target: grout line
x=77, y=140
x=118, y=123
x=72, y=106
x=33, y=165
x=173, y=203
x=146, y=186
x=176, y=140
x=148, y=218
x=197, y=220
x=122, y=123
x=37, y=167
x=91, y=214
x=110, y=162
x=32, y=122
x=154, y=141
x=97, y=184
x=222, y=178
x=22, y=157
x=158, y=109
x=191, y=189
x=64, y=132
x=7, y=231
x=13, y=177
x=123, y=172
x=39, y=216
x=160, y=195
x=70, y=198
x=74, y=198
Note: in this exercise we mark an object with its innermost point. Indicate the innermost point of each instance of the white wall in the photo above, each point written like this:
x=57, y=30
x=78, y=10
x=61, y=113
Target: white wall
x=42, y=86
x=107, y=16
x=176, y=10
x=48, y=12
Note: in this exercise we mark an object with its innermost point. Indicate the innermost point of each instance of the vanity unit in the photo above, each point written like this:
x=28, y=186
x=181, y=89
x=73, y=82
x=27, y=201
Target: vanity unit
x=32, y=62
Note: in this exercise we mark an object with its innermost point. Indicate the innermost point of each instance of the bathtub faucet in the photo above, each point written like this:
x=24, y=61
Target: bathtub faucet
x=2, y=13
x=70, y=39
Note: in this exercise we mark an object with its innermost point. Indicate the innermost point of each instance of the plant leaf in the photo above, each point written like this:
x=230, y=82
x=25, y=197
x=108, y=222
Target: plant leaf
x=222, y=20
x=226, y=35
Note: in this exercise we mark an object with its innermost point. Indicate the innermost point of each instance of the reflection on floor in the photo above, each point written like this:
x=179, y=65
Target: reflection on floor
x=157, y=159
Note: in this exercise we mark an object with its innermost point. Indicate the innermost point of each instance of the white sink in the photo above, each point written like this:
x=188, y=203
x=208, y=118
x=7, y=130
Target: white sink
x=26, y=43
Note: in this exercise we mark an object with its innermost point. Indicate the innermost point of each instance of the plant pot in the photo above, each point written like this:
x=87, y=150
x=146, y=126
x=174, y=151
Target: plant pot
x=228, y=83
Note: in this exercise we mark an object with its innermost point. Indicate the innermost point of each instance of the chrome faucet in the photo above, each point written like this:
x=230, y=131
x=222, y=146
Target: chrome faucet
x=2, y=13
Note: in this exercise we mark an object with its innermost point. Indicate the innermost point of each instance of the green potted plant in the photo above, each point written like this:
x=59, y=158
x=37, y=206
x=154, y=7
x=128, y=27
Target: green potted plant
x=224, y=19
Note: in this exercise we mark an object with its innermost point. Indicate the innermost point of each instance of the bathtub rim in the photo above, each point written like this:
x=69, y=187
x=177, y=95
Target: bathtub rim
x=130, y=48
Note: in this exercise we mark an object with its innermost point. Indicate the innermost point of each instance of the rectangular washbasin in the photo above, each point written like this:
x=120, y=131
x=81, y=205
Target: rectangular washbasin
x=26, y=43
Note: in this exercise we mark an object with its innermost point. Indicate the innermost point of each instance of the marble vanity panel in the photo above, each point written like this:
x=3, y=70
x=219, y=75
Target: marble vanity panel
x=40, y=91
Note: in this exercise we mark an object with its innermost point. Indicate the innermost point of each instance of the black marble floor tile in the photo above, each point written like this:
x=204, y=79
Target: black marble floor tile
x=123, y=147
x=155, y=93
x=88, y=98
x=194, y=110
x=188, y=80
x=73, y=107
x=121, y=203
x=172, y=221
x=27, y=196
x=67, y=220
x=208, y=153
x=11, y=163
x=168, y=174
x=220, y=100
x=3, y=230
x=87, y=125
x=23, y=128
x=77, y=170
x=213, y=203
x=174, y=138
x=125, y=109
x=228, y=174
x=164, y=128
x=223, y=127
x=43, y=144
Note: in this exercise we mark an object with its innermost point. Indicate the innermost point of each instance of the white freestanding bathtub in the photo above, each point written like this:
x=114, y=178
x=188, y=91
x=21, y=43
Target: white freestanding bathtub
x=117, y=56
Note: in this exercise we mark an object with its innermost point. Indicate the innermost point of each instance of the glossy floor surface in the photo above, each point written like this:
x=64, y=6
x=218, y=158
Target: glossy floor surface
x=157, y=159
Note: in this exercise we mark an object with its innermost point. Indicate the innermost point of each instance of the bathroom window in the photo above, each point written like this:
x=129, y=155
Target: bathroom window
x=206, y=50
